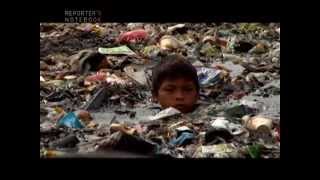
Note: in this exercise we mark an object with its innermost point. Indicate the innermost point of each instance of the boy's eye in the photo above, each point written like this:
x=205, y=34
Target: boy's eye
x=189, y=89
x=168, y=89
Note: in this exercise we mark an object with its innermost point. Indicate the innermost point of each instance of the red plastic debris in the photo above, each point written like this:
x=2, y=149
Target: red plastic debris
x=99, y=76
x=133, y=36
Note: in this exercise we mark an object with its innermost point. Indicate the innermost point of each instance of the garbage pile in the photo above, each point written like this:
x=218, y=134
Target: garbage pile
x=95, y=98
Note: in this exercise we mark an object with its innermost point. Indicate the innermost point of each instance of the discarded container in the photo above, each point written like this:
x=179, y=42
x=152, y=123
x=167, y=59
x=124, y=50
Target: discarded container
x=71, y=120
x=133, y=36
x=208, y=76
x=257, y=123
x=169, y=112
x=121, y=50
x=184, y=139
x=169, y=43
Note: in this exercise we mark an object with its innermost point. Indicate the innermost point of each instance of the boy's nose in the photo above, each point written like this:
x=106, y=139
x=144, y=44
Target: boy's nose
x=179, y=96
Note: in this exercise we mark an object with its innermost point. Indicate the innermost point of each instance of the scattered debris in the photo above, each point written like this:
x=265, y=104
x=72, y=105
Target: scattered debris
x=71, y=120
x=176, y=27
x=169, y=43
x=122, y=50
x=208, y=76
x=169, y=112
x=257, y=123
x=217, y=151
x=95, y=98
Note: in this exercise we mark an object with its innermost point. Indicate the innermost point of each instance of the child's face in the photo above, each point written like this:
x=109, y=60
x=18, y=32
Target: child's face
x=179, y=93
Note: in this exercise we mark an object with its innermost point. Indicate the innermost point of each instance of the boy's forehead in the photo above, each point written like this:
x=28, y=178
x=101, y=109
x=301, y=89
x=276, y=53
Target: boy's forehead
x=175, y=80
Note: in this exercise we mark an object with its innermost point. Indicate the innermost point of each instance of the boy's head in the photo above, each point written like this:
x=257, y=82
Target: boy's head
x=175, y=83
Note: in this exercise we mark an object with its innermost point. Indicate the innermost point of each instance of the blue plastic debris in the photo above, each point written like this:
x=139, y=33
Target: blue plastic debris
x=208, y=76
x=184, y=139
x=70, y=120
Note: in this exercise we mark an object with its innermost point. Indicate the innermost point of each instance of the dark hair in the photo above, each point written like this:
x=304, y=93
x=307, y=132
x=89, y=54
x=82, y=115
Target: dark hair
x=172, y=67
